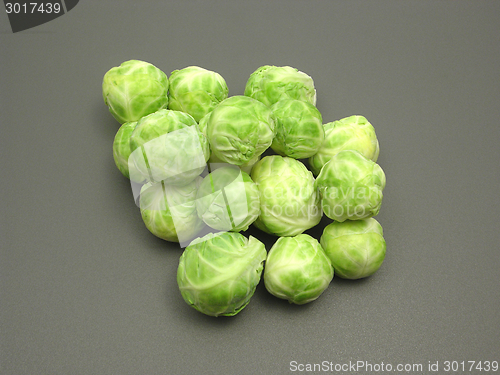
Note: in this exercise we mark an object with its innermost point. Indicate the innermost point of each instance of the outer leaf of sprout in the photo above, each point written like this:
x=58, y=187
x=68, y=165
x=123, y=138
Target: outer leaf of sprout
x=269, y=84
x=351, y=187
x=121, y=147
x=214, y=162
x=228, y=199
x=196, y=91
x=134, y=89
x=355, y=248
x=299, y=129
x=289, y=201
x=218, y=273
x=297, y=269
x=169, y=212
x=350, y=133
x=240, y=129
x=167, y=146
x=203, y=124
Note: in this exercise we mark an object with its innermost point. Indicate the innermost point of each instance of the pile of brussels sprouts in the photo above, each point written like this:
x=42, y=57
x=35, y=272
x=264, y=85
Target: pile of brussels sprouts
x=194, y=155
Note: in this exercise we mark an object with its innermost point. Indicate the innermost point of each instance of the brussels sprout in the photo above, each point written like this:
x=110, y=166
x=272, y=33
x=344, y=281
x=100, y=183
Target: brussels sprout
x=121, y=147
x=297, y=269
x=167, y=145
x=218, y=273
x=134, y=89
x=239, y=129
x=169, y=212
x=299, y=129
x=350, y=133
x=228, y=199
x=269, y=84
x=351, y=186
x=289, y=202
x=214, y=162
x=355, y=248
x=196, y=91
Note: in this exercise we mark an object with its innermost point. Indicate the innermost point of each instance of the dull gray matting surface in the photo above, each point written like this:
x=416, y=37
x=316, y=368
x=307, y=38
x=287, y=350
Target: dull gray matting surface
x=86, y=289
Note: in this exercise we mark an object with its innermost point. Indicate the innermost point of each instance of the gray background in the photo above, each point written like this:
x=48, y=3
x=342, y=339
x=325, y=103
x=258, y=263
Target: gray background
x=86, y=289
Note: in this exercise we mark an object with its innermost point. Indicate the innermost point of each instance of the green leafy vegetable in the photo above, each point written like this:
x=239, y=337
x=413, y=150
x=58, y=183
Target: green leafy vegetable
x=121, y=148
x=351, y=187
x=169, y=212
x=297, y=269
x=299, y=129
x=355, y=248
x=350, y=133
x=134, y=89
x=196, y=91
x=228, y=199
x=218, y=273
x=240, y=129
x=289, y=202
x=167, y=146
x=269, y=84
